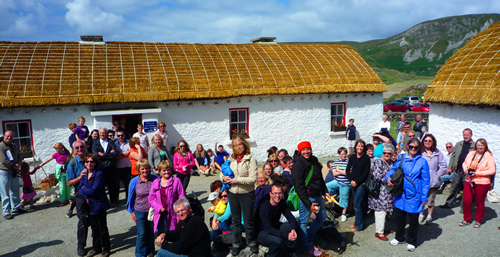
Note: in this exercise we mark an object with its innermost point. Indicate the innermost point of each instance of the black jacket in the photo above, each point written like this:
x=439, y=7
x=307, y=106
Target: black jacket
x=108, y=159
x=358, y=169
x=316, y=186
x=191, y=238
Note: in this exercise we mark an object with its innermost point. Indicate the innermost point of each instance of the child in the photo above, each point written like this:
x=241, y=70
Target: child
x=341, y=182
x=370, y=150
x=221, y=154
x=61, y=154
x=72, y=137
x=28, y=191
x=213, y=160
x=350, y=135
x=219, y=207
x=143, y=138
x=287, y=172
x=82, y=131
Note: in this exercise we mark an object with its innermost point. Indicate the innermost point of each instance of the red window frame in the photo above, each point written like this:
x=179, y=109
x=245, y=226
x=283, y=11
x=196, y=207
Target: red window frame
x=4, y=127
x=246, y=109
x=343, y=115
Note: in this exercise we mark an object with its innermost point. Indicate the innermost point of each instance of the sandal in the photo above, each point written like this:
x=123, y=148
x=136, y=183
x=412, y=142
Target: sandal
x=464, y=223
x=477, y=225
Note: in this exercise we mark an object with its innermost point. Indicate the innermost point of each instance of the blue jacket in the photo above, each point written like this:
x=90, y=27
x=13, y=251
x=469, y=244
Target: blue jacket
x=131, y=192
x=417, y=170
x=350, y=132
x=93, y=190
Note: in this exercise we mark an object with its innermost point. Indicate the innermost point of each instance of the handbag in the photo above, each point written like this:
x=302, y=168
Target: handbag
x=397, y=180
x=151, y=214
x=493, y=196
x=293, y=200
x=372, y=186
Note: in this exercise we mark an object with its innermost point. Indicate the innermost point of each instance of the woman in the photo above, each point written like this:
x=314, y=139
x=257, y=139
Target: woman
x=92, y=189
x=384, y=127
x=157, y=153
x=221, y=224
x=262, y=187
x=183, y=163
x=268, y=169
x=479, y=166
x=401, y=136
x=162, y=131
x=94, y=135
x=241, y=193
x=411, y=201
x=437, y=168
x=310, y=195
x=202, y=160
x=357, y=171
x=136, y=153
x=383, y=203
x=138, y=206
x=164, y=192
x=275, y=161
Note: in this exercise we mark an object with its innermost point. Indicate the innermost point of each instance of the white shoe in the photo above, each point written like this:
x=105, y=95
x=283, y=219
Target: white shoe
x=395, y=242
x=410, y=247
x=428, y=221
x=421, y=219
x=343, y=218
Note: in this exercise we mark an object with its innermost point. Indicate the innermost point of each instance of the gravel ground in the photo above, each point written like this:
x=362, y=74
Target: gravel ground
x=46, y=231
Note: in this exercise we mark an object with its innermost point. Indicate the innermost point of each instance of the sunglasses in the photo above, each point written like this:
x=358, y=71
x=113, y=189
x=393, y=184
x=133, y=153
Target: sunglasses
x=79, y=147
x=413, y=147
x=223, y=196
x=89, y=161
x=162, y=126
x=182, y=146
x=411, y=136
x=387, y=153
x=273, y=160
x=427, y=141
x=449, y=146
x=119, y=135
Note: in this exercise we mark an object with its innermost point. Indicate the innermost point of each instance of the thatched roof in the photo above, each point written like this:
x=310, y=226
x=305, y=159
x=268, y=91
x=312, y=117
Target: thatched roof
x=62, y=73
x=472, y=75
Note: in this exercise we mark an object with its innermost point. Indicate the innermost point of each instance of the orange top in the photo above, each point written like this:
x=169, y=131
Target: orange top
x=484, y=169
x=134, y=161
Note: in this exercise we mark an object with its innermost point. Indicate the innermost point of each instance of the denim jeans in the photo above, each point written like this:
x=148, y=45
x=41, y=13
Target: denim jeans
x=306, y=236
x=145, y=237
x=446, y=178
x=274, y=243
x=359, y=207
x=343, y=191
x=164, y=253
x=223, y=226
x=242, y=204
x=9, y=191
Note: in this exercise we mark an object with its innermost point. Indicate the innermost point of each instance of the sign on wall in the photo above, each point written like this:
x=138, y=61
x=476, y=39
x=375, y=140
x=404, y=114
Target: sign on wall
x=150, y=126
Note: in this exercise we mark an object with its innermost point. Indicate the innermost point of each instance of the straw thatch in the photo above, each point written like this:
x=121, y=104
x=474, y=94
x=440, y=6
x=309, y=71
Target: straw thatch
x=472, y=75
x=62, y=73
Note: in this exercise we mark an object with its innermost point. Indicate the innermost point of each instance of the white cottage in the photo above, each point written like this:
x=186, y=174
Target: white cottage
x=279, y=93
x=465, y=93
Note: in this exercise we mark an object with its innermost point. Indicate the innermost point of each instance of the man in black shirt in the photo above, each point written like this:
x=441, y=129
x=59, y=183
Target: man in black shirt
x=457, y=158
x=273, y=233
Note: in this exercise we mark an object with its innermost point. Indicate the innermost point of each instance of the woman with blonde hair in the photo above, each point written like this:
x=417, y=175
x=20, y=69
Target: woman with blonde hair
x=262, y=186
x=157, y=152
x=202, y=160
x=183, y=162
x=162, y=132
x=275, y=161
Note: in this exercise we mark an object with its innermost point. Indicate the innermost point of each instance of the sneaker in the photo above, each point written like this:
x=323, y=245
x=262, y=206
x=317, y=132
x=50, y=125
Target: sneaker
x=32, y=206
x=8, y=217
x=421, y=219
x=21, y=206
x=254, y=249
x=61, y=204
x=410, y=248
x=428, y=220
x=81, y=252
x=343, y=218
x=235, y=251
x=69, y=214
x=105, y=254
x=20, y=211
x=92, y=253
x=313, y=252
x=395, y=242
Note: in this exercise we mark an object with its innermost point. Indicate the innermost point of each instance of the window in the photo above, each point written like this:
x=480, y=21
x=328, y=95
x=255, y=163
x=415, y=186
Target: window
x=238, y=121
x=338, y=115
x=22, y=133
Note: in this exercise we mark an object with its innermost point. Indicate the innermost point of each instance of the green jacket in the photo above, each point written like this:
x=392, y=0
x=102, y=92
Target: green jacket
x=4, y=162
x=456, y=154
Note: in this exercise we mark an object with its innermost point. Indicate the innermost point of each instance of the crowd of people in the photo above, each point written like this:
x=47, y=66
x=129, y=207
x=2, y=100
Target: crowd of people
x=407, y=174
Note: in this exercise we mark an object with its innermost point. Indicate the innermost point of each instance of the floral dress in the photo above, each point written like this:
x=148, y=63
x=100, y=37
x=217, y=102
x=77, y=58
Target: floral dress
x=384, y=202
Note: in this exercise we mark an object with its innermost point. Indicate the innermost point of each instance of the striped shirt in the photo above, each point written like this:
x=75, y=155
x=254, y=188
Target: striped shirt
x=341, y=164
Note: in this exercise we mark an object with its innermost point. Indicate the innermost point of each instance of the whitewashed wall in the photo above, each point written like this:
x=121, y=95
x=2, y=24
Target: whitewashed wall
x=282, y=121
x=447, y=122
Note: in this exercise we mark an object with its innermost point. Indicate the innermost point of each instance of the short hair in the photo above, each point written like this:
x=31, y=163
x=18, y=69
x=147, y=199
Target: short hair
x=153, y=139
x=164, y=165
x=94, y=130
x=388, y=147
x=328, y=163
x=214, y=185
x=132, y=142
x=407, y=123
x=351, y=120
x=94, y=158
x=220, y=146
x=111, y=131
x=271, y=150
x=183, y=200
x=361, y=141
x=72, y=125
x=141, y=163
x=369, y=147
x=239, y=137
x=277, y=184
x=342, y=149
x=103, y=128
x=140, y=125
x=161, y=123
x=287, y=159
x=468, y=130
x=424, y=129
x=81, y=118
x=434, y=143
x=282, y=150
x=268, y=182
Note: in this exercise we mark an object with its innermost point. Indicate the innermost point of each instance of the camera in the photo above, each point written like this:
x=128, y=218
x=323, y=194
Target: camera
x=470, y=171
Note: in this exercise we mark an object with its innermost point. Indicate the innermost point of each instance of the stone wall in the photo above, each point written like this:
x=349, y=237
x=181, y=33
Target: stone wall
x=410, y=116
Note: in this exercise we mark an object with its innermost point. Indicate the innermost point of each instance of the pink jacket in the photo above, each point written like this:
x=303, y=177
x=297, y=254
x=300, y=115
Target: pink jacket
x=180, y=162
x=484, y=170
x=174, y=192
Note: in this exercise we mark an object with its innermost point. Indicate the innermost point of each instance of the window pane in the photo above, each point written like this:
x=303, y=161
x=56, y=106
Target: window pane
x=242, y=126
x=333, y=110
x=340, y=109
x=24, y=129
x=243, y=115
x=16, y=142
x=234, y=116
x=12, y=127
x=25, y=142
x=233, y=127
x=339, y=120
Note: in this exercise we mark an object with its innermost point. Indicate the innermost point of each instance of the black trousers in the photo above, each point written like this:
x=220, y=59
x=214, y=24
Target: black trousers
x=274, y=243
x=185, y=180
x=400, y=226
x=113, y=183
x=100, y=234
x=82, y=228
x=123, y=175
x=457, y=184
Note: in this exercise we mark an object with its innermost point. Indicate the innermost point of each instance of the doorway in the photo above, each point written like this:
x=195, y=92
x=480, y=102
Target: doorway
x=128, y=122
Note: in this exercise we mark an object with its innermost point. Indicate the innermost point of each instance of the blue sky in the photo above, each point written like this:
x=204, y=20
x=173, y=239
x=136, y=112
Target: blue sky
x=223, y=21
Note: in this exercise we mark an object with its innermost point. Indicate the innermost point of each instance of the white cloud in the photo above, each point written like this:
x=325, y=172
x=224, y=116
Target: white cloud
x=90, y=19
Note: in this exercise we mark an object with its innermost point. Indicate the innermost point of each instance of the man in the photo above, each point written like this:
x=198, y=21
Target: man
x=408, y=136
x=273, y=234
x=111, y=135
x=400, y=124
x=123, y=164
x=281, y=154
x=190, y=238
x=74, y=173
x=106, y=152
x=418, y=126
x=447, y=177
x=457, y=158
x=10, y=162
x=222, y=155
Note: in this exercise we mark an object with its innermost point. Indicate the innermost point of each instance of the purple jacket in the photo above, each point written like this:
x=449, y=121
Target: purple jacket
x=174, y=192
x=437, y=166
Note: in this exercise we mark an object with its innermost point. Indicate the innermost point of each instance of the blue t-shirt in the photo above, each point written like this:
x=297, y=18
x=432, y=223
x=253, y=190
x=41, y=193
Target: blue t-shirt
x=220, y=157
x=378, y=151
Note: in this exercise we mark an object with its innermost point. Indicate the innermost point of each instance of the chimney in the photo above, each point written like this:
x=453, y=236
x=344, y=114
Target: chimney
x=264, y=40
x=92, y=40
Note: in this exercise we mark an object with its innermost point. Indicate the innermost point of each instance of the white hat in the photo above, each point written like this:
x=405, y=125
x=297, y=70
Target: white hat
x=213, y=196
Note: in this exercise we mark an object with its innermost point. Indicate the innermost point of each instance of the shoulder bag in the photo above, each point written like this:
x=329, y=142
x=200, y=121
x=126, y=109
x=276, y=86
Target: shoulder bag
x=293, y=200
x=372, y=186
x=397, y=180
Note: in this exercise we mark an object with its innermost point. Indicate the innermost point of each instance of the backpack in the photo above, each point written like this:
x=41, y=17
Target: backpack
x=196, y=205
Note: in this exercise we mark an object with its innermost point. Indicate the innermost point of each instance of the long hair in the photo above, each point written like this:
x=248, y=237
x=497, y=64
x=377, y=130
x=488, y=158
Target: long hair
x=434, y=143
x=361, y=141
x=419, y=144
x=483, y=141
x=153, y=140
x=242, y=140
x=178, y=149
x=198, y=154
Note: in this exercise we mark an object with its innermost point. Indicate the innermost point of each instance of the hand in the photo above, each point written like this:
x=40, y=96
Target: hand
x=138, y=147
x=313, y=207
x=159, y=240
x=83, y=173
x=327, y=196
x=353, y=183
x=112, y=151
x=162, y=210
x=389, y=182
x=227, y=179
x=472, y=173
x=215, y=226
x=184, y=168
x=448, y=171
x=292, y=236
x=133, y=217
x=100, y=154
